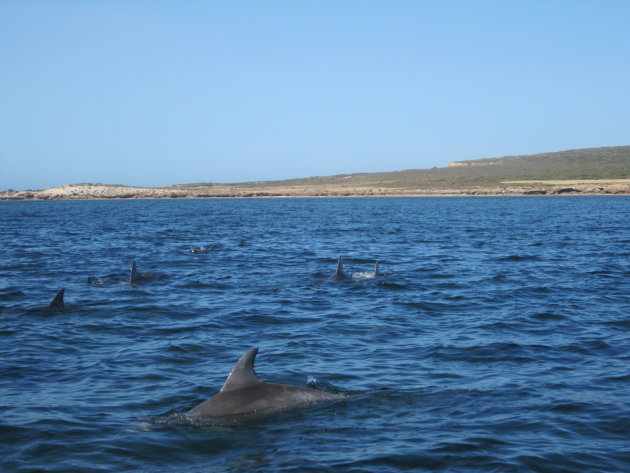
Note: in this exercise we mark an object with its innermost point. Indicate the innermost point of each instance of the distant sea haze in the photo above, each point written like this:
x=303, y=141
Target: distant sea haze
x=494, y=339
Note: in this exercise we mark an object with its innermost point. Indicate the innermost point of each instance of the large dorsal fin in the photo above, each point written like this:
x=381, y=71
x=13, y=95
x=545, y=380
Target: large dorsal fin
x=376, y=272
x=242, y=373
x=57, y=302
x=134, y=276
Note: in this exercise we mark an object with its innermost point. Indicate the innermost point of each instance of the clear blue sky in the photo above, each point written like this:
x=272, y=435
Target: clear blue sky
x=163, y=92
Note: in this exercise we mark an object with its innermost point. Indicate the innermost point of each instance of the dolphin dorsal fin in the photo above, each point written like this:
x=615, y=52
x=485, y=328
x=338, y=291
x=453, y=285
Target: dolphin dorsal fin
x=57, y=302
x=242, y=373
x=376, y=269
x=134, y=273
x=339, y=274
x=339, y=266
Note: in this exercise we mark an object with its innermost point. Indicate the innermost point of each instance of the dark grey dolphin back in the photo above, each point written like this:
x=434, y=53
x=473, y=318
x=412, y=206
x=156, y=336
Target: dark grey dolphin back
x=242, y=374
x=245, y=395
x=137, y=277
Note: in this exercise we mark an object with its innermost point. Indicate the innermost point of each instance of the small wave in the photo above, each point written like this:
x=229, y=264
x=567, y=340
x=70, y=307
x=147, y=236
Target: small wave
x=500, y=326
x=202, y=423
x=568, y=407
x=589, y=347
x=322, y=385
x=620, y=324
x=519, y=258
x=566, y=461
x=441, y=276
x=249, y=319
x=617, y=379
x=179, y=330
x=202, y=285
x=435, y=307
x=495, y=352
x=602, y=273
x=429, y=461
x=11, y=294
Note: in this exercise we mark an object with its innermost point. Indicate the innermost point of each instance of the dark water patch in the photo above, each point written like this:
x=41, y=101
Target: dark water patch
x=616, y=379
x=187, y=329
x=11, y=294
x=518, y=258
x=621, y=324
x=547, y=316
x=201, y=285
x=503, y=326
x=605, y=274
x=12, y=435
x=616, y=427
x=590, y=348
x=426, y=269
x=428, y=307
x=493, y=353
x=565, y=461
x=182, y=348
x=252, y=319
x=500, y=278
x=440, y=276
x=434, y=375
x=569, y=407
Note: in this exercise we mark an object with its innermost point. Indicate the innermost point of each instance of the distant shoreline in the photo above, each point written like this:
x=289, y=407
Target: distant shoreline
x=225, y=191
x=588, y=171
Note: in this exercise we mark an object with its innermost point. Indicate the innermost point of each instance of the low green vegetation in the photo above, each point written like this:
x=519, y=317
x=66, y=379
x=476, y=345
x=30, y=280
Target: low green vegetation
x=591, y=163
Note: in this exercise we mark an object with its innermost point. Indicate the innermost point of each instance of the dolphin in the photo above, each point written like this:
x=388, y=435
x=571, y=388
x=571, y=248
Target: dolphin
x=95, y=280
x=137, y=277
x=339, y=274
x=57, y=303
x=244, y=394
x=365, y=275
x=376, y=271
x=202, y=249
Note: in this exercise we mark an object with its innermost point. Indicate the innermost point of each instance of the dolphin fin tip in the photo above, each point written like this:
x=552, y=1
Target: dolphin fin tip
x=57, y=303
x=242, y=373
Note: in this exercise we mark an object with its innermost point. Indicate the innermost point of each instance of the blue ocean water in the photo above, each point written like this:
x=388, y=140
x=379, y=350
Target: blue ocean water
x=497, y=340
